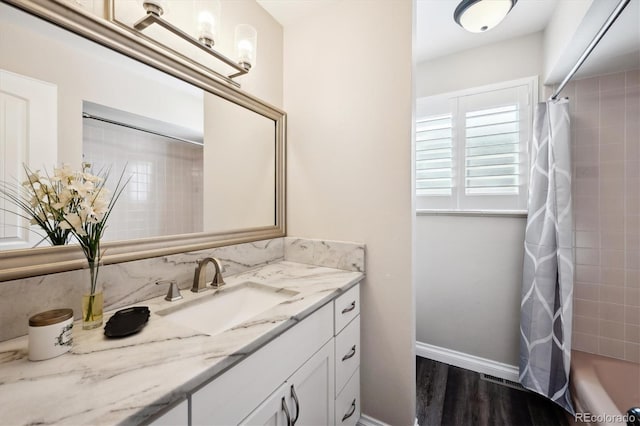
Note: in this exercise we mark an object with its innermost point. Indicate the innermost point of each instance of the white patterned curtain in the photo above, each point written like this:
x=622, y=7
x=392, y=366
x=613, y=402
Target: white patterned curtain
x=547, y=287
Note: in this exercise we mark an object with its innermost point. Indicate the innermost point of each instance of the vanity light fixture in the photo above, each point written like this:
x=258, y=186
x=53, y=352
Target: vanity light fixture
x=478, y=16
x=207, y=23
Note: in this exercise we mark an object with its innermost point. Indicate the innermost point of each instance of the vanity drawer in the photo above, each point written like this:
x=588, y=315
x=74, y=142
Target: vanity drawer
x=347, y=353
x=347, y=307
x=348, y=402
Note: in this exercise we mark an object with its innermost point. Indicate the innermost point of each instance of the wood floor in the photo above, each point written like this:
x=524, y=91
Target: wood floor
x=450, y=395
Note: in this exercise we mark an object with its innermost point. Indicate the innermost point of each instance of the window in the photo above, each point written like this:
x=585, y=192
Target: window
x=471, y=148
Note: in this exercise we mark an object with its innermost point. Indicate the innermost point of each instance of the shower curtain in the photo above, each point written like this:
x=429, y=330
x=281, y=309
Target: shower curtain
x=547, y=286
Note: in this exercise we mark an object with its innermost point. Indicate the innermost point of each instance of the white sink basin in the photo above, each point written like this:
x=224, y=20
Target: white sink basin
x=227, y=307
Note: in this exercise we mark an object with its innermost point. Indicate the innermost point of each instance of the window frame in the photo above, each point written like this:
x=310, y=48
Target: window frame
x=458, y=201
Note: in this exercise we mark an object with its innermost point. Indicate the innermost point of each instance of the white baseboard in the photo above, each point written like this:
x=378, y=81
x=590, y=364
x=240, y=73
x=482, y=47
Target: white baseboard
x=370, y=421
x=470, y=362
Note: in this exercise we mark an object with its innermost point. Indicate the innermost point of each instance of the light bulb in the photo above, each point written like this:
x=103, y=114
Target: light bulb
x=245, y=51
x=206, y=27
x=246, y=41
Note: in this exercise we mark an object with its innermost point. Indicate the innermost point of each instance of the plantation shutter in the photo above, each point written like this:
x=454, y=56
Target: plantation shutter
x=471, y=151
x=434, y=155
x=492, y=151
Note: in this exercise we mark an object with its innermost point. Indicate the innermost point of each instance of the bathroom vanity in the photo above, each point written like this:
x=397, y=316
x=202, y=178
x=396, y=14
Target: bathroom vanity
x=212, y=357
x=297, y=360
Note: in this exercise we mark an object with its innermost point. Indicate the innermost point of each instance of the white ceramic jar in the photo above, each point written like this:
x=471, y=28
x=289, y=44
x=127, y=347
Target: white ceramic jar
x=50, y=334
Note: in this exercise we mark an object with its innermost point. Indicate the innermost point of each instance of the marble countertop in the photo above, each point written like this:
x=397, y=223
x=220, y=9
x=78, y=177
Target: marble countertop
x=128, y=380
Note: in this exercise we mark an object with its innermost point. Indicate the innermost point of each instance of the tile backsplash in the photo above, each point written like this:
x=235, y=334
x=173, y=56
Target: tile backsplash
x=605, y=121
x=132, y=282
x=164, y=195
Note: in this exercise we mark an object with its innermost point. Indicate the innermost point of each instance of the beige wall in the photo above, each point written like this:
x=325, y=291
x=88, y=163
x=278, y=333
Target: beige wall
x=469, y=269
x=558, y=35
x=508, y=60
x=606, y=193
x=468, y=278
x=348, y=95
x=240, y=167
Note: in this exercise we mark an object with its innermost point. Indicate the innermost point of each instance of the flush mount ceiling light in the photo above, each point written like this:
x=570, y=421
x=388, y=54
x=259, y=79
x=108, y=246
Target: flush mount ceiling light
x=207, y=23
x=478, y=16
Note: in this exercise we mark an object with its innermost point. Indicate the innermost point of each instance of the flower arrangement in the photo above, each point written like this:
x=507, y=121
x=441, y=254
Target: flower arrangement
x=40, y=199
x=70, y=203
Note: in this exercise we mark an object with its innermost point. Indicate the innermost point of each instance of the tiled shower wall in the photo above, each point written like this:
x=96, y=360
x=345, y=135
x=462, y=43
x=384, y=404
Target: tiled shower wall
x=164, y=196
x=605, y=117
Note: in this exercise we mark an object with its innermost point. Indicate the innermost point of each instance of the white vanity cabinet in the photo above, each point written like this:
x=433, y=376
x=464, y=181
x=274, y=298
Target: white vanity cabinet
x=347, y=358
x=306, y=398
x=294, y=379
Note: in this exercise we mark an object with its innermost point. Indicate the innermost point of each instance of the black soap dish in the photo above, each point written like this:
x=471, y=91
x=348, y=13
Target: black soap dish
x=126, y=322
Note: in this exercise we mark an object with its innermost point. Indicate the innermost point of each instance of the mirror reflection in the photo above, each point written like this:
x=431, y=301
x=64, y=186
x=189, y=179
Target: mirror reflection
x=198, y=162
x=165, y=163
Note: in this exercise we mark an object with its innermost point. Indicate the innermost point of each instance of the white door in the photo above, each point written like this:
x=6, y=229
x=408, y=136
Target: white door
x=310, y=390
x=274, y=411
x=28, y=136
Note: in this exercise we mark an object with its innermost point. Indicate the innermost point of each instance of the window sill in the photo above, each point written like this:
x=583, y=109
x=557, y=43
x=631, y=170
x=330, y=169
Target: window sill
x=473, y=213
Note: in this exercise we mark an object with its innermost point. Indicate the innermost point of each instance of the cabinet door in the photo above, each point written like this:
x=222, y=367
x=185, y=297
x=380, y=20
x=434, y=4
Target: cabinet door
x=235, y=394
x=274, y=411
x=310, y=390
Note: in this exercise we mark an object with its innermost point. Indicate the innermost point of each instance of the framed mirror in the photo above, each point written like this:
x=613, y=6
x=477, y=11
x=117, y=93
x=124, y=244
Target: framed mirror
x=206, y=160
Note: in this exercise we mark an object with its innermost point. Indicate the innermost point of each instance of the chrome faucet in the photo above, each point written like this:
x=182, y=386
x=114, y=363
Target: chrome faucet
x=199, y=283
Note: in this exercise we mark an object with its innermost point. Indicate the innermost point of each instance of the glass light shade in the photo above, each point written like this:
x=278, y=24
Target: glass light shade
x=246, y=42
x=207, y=20
x=482, y=15
x=206, y=25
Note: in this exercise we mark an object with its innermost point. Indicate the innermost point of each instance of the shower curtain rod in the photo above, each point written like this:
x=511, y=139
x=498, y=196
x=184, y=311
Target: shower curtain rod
x=129, y=126
x=612, y=18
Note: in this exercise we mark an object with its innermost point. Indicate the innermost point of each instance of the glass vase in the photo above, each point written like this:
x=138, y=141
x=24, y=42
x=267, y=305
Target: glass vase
x=92, y=297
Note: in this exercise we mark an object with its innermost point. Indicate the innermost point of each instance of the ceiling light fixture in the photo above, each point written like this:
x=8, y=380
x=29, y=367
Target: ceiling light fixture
x=246, y=36
x=478, y=16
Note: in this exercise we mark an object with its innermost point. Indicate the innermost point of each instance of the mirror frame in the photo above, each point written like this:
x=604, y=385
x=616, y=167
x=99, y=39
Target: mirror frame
x=23, y=263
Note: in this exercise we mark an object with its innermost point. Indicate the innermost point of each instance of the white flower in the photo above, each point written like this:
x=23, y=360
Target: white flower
x=100, y=206
x=64, y=198
x=91, y=178
x=74, y=222
x=32, y=178
x=64, y=173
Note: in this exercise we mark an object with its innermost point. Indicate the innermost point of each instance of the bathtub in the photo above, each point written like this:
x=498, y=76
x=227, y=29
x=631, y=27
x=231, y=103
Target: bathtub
x=603, y=388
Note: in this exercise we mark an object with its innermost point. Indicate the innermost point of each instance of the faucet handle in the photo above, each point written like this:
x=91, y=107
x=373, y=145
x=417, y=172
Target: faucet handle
x=173, y=293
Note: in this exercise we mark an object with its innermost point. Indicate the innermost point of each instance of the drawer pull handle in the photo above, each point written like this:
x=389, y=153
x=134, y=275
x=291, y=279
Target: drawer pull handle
x=295, y=399
x=351, y=307
x=351, y=411
x=351, y=353
x=286, y=411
